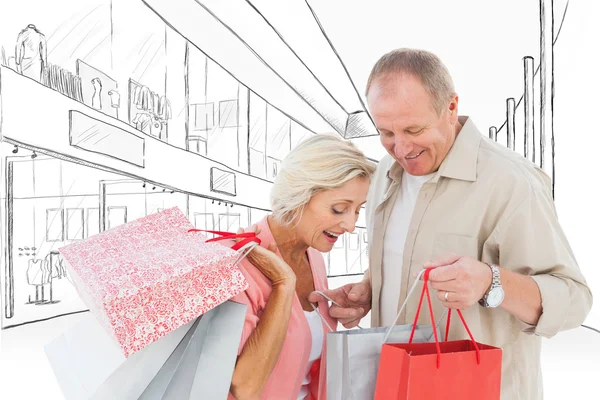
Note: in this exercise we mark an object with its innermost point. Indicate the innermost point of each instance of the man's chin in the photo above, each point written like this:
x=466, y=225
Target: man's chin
x=416, y=171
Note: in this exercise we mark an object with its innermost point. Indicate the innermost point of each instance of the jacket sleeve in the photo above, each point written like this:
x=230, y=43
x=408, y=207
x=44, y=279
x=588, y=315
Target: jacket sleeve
x=531, y=241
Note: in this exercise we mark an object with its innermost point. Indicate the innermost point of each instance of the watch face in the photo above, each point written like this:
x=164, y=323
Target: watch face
x=495, y=297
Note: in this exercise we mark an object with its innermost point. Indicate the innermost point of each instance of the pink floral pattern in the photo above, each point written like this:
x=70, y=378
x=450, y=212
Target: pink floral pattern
x=150, y=276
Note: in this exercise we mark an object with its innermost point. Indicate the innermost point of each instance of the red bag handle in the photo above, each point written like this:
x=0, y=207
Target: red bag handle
x=437, y=343
x=246, y=236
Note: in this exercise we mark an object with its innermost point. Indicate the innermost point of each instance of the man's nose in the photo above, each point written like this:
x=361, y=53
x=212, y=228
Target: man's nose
x=402, y=147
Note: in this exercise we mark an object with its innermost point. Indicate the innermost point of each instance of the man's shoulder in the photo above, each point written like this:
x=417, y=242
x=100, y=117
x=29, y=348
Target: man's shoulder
x=507, y=169
x=379, y=181
x=385, y=164
x=381, y=173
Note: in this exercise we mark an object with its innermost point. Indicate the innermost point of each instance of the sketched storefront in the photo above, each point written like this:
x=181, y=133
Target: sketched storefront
x=74, y=172
x=97, y=132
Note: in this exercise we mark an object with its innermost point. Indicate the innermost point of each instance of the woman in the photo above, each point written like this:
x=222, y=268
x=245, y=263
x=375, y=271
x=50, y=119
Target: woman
x=315, y=198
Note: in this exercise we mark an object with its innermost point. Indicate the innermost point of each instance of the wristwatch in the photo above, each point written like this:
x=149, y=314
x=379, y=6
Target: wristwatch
x=495, y=294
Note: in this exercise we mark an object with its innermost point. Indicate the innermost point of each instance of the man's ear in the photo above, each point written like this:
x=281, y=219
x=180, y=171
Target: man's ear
x=453, y=109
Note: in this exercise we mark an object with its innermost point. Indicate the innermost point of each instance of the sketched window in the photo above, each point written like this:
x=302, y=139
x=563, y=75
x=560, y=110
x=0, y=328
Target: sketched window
x=117, y=216
x=54, y=225
x=74, y=223
x=273, y=166
x=229, y=222
x=222, y=181
x=205, y=221
x=93, y=221
x=197, y=144
x=353, y=240
x=228, y=114
x=202, y=116
x=339, y=244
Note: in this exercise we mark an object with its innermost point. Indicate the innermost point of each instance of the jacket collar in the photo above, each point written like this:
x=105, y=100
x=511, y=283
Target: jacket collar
x=460, y=162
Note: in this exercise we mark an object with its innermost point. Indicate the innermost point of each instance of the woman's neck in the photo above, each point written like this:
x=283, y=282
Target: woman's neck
x=289, y=244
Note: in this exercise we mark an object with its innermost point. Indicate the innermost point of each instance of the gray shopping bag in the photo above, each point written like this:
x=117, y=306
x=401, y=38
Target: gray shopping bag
x=201, y=367
x=353, y=356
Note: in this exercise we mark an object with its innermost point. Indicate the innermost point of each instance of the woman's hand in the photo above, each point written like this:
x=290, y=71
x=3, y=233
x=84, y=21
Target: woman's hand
x=263, y=348
x=273, y=267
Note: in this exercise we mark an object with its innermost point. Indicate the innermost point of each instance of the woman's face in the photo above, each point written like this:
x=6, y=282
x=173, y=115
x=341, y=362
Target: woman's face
x=332, y=213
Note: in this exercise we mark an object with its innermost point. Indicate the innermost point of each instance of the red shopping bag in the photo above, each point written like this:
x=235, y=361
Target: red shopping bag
x=461, y=369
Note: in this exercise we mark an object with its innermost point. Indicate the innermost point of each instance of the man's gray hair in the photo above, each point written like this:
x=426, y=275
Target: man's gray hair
x=424, y=65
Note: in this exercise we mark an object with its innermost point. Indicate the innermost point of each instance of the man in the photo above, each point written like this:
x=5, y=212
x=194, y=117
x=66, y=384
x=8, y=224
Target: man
x=482, y=215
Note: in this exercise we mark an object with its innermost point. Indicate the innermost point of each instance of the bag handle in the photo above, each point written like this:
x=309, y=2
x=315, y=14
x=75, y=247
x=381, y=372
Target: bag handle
x=316, y=309
x=248, y=242
x=412, y=289
x=246, y=236
x=437, y=343
x=390, y=329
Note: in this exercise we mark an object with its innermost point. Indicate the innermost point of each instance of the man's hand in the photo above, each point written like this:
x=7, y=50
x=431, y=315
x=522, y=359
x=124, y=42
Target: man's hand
x=354, y=299
x=460, y=281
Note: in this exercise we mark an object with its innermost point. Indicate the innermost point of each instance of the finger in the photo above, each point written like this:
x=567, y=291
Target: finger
x=441, y=261
x=359, y=293
x=349, y=324
x=339, y=295
x=348, y=314
x=448, y=286
x=315, y=297
x=447, y=297
x=455, y=305
x=444, y=274
x=272, y=247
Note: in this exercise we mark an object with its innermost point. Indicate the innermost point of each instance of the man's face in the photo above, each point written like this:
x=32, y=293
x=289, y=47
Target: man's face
x=410, y=128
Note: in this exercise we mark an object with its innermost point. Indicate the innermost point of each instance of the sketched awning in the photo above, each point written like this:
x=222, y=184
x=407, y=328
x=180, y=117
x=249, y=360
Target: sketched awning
x=279, y=51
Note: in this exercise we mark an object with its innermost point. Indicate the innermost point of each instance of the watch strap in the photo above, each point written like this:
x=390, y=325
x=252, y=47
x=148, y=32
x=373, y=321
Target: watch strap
x=495, y=283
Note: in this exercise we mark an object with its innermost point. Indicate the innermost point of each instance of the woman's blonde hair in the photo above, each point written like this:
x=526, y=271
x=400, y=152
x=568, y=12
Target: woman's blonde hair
x=320, y=163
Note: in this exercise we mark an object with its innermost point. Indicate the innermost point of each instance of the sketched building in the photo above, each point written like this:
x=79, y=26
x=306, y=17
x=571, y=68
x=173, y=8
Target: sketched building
x=134, y=115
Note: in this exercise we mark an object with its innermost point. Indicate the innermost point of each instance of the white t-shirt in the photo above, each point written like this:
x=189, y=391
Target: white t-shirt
x=393, y=244
x=317, y=334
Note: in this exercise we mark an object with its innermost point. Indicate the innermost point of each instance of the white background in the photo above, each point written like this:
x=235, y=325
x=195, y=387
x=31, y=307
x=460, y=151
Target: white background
x=482, y=43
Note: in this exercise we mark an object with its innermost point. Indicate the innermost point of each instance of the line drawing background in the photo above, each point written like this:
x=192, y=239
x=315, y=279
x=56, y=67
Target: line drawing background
x=125, y=108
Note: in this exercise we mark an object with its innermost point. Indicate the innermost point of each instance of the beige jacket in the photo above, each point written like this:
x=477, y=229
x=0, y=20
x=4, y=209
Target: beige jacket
x=489, y=203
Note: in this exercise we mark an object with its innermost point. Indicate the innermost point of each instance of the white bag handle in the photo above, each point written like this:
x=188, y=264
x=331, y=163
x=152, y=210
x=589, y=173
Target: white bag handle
x=412, y=289
x=389, y=331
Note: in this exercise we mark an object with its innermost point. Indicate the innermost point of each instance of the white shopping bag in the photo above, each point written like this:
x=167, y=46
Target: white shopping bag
x=353, y=356
x=89, y=364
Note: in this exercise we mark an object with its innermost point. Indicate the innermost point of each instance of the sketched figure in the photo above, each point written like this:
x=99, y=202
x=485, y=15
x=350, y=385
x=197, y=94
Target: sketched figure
x=53, y=268
x=31, y=53
x=56, y=265
x=164, y=115
x=148, y=123
x=115, y=101
x=142, y=122
x=3, y=57
x=164, y=108
x=97, y=97
x=115, y=98
x=35, y=277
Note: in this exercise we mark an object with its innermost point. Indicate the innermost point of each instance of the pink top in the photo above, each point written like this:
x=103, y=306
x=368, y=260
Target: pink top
x=286, y=379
